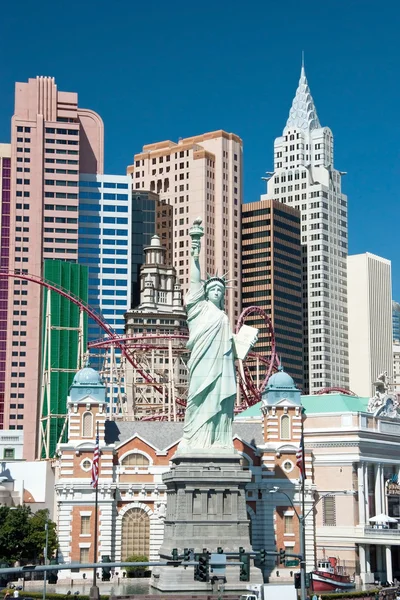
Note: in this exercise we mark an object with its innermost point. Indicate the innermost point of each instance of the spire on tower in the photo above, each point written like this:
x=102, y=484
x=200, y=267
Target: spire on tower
x=303, y=114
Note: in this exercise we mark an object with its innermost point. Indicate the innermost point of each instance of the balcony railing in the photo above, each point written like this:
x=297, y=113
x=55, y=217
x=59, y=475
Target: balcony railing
x=381, y=532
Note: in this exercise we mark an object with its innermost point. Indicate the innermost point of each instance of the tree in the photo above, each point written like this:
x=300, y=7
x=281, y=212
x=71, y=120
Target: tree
x=136, y=571
x=23, y=534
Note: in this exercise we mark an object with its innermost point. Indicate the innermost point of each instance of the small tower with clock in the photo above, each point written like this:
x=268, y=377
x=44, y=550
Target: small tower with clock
x=75, y=495
x=86, y=406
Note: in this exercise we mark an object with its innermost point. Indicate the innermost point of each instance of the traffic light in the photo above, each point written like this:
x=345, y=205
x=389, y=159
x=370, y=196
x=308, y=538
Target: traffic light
x=174, y=554
x=282, y=556
x=297, y=581
x=105, y=571
x=52, y=576
x=196, y=568
x=244, y=567
x=262, y=556
x=220, y=550
x=204, y=567
x=186, y=554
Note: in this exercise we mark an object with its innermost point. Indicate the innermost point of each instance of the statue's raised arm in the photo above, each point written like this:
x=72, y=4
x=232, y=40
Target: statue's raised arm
x=196, y=232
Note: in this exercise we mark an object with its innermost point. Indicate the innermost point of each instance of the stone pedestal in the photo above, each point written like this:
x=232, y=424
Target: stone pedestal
x=206, y=508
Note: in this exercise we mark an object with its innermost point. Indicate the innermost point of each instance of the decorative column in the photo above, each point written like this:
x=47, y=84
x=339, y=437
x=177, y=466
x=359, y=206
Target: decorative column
x=363, y=562
x=361, y=495
x=389, y=568
x=378, y=489
x=366, y=493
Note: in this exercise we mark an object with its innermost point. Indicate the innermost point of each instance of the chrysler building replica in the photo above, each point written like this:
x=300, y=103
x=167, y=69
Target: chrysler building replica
x=304, y=177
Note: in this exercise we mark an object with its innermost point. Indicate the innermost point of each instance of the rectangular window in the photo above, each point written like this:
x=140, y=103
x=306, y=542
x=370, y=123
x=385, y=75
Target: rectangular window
x=288, y=523
x=84, y=555
x=9, y=454
x=85, y=524
x=329, y=510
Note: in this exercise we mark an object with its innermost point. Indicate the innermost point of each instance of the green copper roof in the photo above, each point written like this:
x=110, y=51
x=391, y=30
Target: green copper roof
x=326, y=403
x=334, y=403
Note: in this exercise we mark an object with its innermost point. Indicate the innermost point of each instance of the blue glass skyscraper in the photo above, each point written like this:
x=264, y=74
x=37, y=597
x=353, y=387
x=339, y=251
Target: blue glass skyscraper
x=105, y=225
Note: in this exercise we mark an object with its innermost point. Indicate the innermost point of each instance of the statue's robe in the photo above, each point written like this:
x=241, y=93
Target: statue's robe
x=212, y=377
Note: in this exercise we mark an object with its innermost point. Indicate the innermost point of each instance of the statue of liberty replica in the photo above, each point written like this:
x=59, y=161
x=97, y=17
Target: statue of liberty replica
x=206, y=505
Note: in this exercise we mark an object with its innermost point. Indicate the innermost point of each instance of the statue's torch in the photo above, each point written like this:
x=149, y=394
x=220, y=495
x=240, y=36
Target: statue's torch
x=196, y=232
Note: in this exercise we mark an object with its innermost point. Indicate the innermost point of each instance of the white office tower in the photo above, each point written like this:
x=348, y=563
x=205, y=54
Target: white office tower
x=304, y=177
x=369, y=284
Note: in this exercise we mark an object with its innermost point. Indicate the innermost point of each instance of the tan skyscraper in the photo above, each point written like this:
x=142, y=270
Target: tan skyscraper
x=200, y=176
x=369, y=284
x=52, y=142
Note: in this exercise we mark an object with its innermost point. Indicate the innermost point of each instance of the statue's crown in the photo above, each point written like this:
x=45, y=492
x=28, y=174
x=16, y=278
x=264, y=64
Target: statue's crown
x=216, y=278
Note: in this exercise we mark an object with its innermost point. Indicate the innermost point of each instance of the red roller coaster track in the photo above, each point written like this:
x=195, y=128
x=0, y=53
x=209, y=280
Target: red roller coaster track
x=251, y=392
x=113, y=337
x=331, y=390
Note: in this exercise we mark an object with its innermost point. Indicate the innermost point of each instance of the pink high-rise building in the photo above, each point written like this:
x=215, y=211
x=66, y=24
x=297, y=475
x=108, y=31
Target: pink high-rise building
x=5, y=196
x=52, y=142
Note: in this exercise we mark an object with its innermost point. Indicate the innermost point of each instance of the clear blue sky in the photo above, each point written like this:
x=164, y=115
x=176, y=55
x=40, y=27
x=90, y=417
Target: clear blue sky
x=156, y=70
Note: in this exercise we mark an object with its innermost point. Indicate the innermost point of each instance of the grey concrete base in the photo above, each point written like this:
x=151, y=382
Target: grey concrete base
x=181, y=579
x=206, y=508
x=94, y=593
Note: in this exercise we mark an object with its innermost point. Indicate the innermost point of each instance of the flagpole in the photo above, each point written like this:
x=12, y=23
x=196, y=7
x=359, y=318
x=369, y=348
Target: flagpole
x=94, y=591
x=96, y=525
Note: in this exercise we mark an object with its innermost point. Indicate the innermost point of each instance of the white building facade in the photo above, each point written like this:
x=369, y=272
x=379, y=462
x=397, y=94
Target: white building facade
x=305, y=177
x=370, y=321
x=159, y=322
x=396, y=368
x=200, y=176
x=29, y=483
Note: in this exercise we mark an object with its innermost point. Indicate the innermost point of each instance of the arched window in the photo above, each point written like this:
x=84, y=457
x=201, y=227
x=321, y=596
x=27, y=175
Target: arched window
x=87, y=424
x=135, y=460
x=285, y=427
x=135, y=533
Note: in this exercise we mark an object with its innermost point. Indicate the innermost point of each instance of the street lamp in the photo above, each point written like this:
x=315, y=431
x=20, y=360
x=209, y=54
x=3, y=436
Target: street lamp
x=302, y=522
x=301, y=518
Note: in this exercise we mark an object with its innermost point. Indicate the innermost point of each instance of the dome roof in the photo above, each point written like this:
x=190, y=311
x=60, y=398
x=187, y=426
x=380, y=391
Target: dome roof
x=281, y=380
x=87, y=376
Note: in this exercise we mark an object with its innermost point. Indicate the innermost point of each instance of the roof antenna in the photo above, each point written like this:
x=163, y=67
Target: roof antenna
x=302, y=59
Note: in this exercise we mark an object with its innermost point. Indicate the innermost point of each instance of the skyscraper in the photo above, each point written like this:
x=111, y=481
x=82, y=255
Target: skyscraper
x=62, y=347
x=272, y=278
x=396, y=322
x=200, y=176
x=104, y=246
x=305, y=177
x=145, y=206
x=370, y=321
x=52, y=142
x=5, y=191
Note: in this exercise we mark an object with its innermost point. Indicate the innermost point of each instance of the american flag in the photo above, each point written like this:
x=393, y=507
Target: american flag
x=300, y=462
x=95, y=463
